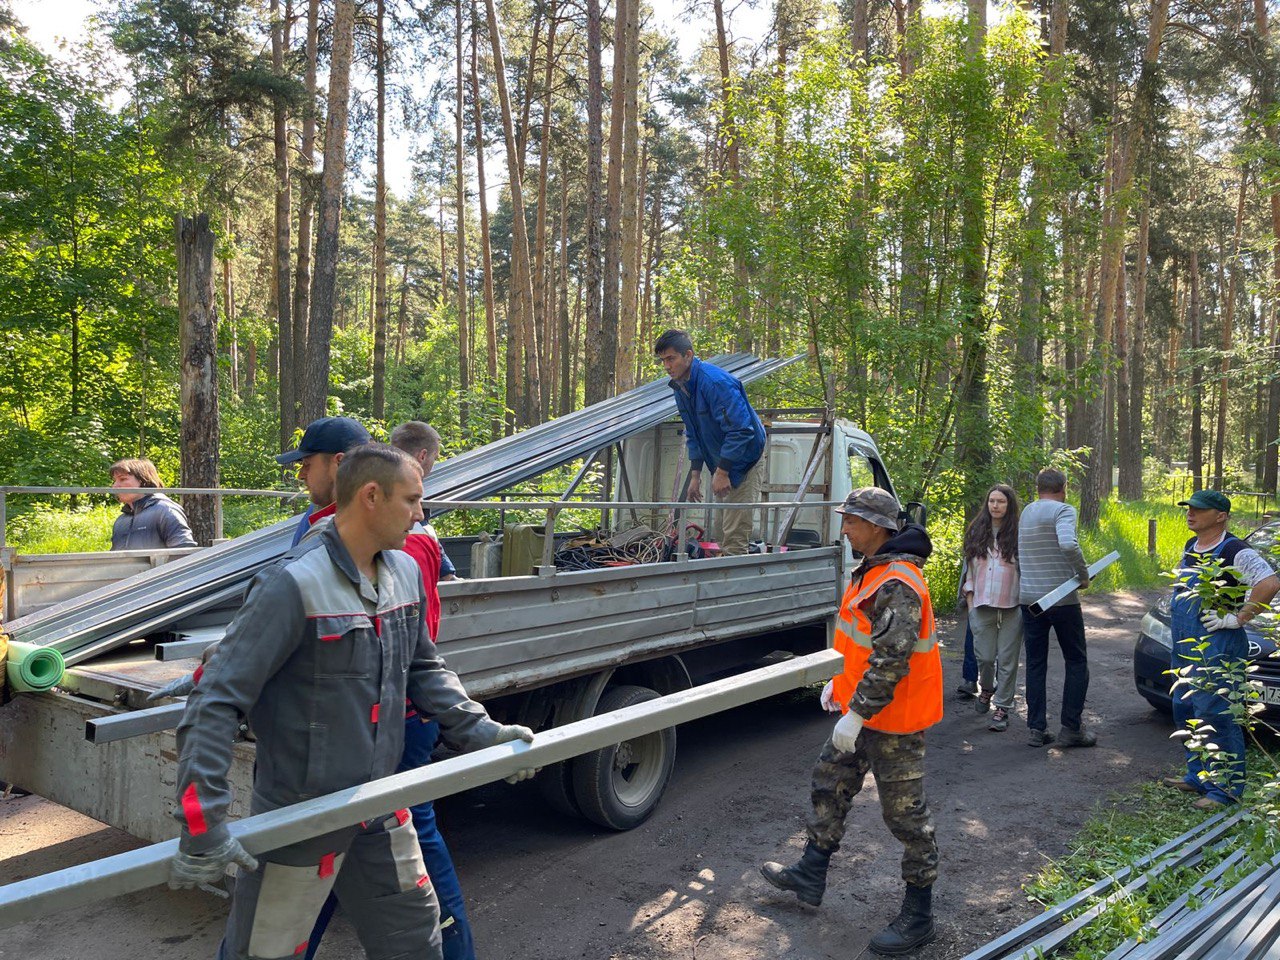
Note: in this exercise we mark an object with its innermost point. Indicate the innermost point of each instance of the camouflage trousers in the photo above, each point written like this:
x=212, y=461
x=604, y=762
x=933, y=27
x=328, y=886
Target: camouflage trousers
x=897, y=763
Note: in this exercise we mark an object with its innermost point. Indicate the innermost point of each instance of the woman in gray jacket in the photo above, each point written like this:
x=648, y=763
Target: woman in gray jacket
x=147, y=521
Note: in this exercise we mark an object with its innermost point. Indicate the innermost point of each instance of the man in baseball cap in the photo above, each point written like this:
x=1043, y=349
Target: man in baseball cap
x=1208, y=500
x=323, y=445
x=1207, y=639
x=888, y=694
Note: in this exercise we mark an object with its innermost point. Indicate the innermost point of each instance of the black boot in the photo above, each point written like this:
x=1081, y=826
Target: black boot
x=911, y=928
x=807, y=879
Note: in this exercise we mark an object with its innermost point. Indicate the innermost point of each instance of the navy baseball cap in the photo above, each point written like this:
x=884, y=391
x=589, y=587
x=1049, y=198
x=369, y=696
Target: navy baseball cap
x=327, y=435
x=1207, y=500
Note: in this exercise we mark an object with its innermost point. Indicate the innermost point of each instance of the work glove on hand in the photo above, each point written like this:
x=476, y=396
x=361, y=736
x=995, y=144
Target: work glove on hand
x=203, y=870
x=181, y=687
x=828, y=697
x=513, y=731
x=845, y=736
x=1213, y=623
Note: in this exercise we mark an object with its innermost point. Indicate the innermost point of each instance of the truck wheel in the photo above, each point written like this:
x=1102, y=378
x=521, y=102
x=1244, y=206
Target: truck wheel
x=555, y=783
x=619, y=786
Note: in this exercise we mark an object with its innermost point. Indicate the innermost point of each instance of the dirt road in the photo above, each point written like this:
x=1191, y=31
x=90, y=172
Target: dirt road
x=686, y=883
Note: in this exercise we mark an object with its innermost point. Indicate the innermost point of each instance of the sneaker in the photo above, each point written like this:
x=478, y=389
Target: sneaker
x=1039, y=738
x=1076, y=738
x=999, y=720
x=983, y=703
x=1177, y=783
x=967, y=690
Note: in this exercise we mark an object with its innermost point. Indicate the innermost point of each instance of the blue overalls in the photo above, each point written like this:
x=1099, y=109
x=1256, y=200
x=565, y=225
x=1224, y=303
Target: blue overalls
x=1226, y=780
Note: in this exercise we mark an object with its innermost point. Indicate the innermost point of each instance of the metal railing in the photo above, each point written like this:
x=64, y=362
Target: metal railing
x=218, y=493
x=149, y=866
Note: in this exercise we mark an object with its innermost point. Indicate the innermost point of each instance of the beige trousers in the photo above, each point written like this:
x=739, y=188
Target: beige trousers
x=735, y=525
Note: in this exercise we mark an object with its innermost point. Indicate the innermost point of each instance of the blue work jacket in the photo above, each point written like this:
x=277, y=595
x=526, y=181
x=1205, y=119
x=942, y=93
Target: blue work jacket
x=721, y=429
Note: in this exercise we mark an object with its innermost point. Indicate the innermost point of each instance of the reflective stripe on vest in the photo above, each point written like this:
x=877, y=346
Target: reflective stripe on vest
x=917, y=699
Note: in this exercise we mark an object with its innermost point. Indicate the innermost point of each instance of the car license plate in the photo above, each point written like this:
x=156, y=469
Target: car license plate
x=1271, y=695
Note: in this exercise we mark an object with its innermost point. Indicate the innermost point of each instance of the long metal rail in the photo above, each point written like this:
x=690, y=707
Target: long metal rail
x=147, y=867
x=96, y=620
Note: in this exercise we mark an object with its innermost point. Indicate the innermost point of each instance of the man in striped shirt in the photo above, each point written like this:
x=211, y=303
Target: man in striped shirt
x=1048, y=556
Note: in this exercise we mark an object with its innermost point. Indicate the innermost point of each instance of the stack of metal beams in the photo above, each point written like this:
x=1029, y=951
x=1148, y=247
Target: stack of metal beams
x=148, y=603
x=1232, y=912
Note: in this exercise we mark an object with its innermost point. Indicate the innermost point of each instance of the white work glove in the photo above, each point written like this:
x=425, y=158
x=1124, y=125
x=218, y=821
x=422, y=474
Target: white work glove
x=1213, y=623
x=203, y=870
x=508, y=732
x=828, y=697
x=845, y=736
x=181, y=687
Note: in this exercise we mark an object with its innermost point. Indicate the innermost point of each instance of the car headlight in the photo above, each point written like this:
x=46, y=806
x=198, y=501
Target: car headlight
x=1164, y=606
x=1157, y=630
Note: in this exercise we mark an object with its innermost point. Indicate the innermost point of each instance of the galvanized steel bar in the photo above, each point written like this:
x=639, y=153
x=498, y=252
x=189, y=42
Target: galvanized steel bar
x=149, y=866
x=183, y=649
x=1177, y=859
x=999, y=946
x=102, y=619
x=135, y=723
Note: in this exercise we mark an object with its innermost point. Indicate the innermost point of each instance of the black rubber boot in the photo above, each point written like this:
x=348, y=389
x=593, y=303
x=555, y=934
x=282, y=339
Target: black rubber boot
x=911, y=928
x=807, y=878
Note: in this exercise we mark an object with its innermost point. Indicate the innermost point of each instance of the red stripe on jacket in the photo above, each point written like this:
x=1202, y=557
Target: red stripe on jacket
x=192, y=810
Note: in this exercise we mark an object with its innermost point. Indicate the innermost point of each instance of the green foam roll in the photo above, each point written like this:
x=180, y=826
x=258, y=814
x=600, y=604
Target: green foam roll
x=33, y=668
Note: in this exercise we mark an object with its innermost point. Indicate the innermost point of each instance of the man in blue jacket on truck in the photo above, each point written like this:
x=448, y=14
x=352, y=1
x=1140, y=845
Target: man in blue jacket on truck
x=721, y=431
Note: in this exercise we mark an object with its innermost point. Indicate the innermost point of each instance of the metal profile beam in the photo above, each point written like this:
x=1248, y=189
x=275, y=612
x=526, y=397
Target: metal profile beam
x=135, y=723
x=149, y=866
x=110, y=616
x=1051, y=917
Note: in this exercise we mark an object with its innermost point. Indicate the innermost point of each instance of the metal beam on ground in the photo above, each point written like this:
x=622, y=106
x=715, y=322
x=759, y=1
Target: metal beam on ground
x=149, y=866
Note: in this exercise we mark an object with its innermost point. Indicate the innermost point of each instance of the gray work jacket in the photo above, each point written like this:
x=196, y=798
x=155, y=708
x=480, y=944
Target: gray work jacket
x=153, y=522
x=322, y=669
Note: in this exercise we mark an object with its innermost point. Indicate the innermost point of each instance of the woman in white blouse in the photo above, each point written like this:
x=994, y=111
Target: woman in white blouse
x=991, y=589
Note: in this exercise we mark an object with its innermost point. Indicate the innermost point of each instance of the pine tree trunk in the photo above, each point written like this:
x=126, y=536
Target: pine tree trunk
x=460, y=211
x=486, y=250
x=380, y=226
x=565, y=354
x=521, y=313
x=320, y=327
x=1270, y=433
x=306, y=210
x=631, y=218
x=973, y=438
x=1197, y=373
x=733, y=163
x=1228, y=324
x=1131, y=445
x=283, y=285
x=542, y=322
x=613, y=199
x=597, y=355
x=198, y=334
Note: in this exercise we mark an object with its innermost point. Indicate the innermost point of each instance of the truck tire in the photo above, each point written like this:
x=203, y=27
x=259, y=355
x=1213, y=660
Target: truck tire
x=619, y=787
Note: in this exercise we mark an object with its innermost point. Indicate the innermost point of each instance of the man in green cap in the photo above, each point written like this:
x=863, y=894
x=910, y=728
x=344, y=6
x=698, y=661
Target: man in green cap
x=1221, y=629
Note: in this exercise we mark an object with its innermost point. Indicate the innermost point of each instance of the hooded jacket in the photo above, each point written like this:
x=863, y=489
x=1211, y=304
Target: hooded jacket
x=720, y=427
x=153, y=522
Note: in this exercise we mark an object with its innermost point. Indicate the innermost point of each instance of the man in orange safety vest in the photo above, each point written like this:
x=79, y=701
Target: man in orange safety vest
x=888, y=694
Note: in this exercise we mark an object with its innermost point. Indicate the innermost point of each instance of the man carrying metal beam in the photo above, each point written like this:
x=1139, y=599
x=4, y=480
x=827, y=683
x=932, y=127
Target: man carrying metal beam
x=421, y=733
x=721, y=430
x=889, y=693
x=328, y=640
